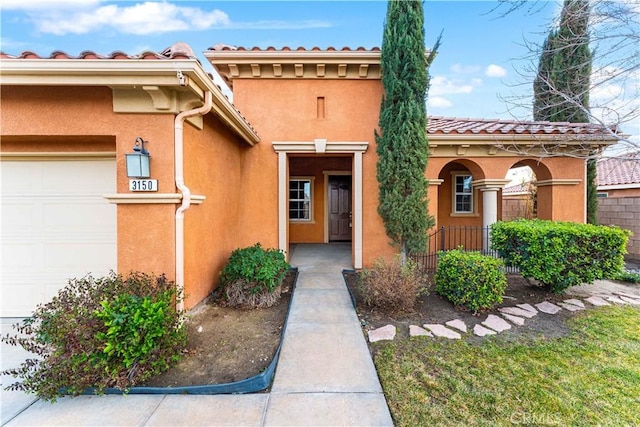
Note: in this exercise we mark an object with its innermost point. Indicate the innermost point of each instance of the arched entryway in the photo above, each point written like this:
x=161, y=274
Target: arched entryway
x=536, y=199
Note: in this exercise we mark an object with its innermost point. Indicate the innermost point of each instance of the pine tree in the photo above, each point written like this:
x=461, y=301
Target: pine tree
x=402, y=145
x=561, y=88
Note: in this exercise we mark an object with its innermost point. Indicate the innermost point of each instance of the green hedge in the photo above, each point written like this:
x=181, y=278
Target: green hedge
x=470, y=279
x=560, y=254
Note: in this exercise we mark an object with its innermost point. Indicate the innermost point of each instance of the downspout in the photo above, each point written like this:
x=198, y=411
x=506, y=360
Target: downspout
x=186, y=193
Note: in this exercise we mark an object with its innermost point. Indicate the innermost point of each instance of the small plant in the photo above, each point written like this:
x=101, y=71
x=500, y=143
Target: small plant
x=253, y=276
x=391, y=286
x=470, y=279
x=98, y=333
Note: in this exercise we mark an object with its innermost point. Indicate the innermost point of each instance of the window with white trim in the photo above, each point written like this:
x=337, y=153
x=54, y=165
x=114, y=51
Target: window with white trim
x=300, y=199
x=462, y=193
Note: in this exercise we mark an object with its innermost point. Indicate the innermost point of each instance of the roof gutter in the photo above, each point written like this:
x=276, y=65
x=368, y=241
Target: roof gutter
x=184, y=190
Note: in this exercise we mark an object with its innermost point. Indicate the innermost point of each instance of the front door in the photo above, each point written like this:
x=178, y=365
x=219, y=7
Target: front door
x=340, y=208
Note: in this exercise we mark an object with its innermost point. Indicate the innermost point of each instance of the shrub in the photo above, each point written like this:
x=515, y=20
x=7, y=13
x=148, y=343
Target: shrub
x=470, y=279
x=98, y=333
x=252, y=276
x=561, y=254
x=391, y=286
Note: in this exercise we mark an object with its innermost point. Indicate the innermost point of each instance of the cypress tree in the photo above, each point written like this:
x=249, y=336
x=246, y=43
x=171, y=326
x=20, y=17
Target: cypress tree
x=402, y=145
x=544, y=99
x=561, y=88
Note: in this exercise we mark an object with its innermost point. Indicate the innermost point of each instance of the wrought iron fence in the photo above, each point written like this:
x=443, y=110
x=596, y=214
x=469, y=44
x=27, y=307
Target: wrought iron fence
x=469, y=238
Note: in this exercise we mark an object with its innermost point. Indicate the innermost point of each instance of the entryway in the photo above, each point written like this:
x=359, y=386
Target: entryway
x=346, y=223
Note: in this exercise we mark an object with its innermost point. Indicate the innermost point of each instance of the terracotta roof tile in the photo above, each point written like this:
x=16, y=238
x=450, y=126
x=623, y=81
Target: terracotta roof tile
x=619, y=170
x=176, y=51
x=454, y=125
x=524, y=187
x=223, y=47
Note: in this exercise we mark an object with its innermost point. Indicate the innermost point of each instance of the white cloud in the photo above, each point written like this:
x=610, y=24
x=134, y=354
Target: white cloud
x=494, y=70
x=440, y=85
x=605, y=92
x=142, y=18
x=61, y=17
x=465, y=69
x=439, y=102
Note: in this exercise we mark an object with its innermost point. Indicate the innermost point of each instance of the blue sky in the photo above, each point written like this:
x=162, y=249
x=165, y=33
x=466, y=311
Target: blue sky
x=476, y=66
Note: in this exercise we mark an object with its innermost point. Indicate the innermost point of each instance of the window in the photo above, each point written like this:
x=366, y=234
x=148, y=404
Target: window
x=300, y=199
x=463, y=194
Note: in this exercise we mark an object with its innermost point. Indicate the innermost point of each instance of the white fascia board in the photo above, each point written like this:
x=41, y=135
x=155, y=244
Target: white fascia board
x=125, y=72
x=619, y=187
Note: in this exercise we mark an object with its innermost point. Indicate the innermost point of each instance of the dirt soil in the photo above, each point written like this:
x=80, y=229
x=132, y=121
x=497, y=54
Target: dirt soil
x=433, y=308
x=228, y=344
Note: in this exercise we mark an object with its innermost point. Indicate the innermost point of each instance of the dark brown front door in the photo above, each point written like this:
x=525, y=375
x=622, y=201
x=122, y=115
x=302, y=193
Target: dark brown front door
x=340, y=208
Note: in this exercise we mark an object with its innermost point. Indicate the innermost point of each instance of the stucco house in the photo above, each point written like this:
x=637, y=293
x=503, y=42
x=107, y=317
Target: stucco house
x=291, y=160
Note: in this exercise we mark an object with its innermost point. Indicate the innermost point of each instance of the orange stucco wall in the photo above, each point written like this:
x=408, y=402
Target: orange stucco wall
x=559, y=202
x=214, y=166
x=627, y=192
x=82, y=119
x=287, y=110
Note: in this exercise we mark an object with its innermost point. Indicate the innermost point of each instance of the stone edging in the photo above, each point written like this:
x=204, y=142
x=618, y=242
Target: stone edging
x=511, y=316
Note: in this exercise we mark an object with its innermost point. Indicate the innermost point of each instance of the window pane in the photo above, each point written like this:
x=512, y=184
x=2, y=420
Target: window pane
x=300, y=199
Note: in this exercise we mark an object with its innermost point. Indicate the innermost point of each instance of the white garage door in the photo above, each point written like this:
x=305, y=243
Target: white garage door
x=55, y=225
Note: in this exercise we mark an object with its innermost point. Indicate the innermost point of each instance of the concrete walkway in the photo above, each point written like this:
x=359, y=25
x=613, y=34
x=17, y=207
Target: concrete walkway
x=325, y=375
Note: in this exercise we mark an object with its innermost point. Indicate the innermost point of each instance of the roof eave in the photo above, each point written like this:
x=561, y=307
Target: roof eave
x=126, y=73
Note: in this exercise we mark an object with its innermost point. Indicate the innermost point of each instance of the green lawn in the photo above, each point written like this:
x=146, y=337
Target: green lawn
x=591, y=377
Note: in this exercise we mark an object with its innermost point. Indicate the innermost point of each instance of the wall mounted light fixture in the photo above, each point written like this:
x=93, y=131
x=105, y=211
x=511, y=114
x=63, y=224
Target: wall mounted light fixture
x=138, y=161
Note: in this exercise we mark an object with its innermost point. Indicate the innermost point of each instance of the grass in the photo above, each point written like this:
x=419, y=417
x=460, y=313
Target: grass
x=590, y=377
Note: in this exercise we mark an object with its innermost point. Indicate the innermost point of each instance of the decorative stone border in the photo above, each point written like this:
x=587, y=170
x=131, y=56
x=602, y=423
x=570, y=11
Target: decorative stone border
x=516, y=315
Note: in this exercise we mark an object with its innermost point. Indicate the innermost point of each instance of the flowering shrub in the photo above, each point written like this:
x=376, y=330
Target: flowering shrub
x=98, y=333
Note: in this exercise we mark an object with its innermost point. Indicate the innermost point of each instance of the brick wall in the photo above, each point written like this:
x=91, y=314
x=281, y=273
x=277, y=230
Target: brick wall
x=516, y=207
x=625, y=213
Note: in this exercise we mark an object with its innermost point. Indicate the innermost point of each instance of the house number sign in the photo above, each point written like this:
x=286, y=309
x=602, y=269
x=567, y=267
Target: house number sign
x=143, y=185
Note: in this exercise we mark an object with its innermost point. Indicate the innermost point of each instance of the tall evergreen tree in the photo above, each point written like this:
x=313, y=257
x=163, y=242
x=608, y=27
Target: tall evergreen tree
x=402, y=145
x=561, y=88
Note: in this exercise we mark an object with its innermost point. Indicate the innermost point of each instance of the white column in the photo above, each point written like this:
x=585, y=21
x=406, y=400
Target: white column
x=357, y=209
x=282, y=202
x=489, y=212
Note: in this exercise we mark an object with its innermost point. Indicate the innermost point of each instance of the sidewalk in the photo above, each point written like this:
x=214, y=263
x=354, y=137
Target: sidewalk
x=325, y=375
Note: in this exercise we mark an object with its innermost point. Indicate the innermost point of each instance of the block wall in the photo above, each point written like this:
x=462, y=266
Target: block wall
x=625, y=213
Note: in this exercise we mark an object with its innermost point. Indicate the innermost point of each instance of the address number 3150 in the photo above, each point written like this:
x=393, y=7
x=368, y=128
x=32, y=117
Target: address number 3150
x=143, y=185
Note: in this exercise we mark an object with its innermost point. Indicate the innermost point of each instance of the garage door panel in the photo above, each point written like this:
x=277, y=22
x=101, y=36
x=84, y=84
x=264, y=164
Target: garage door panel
x=68, y=256
x=78, y=214
x=76, y=180
x=20, y=257
x=18, y=215
x=16, y=181
x=55, y=225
